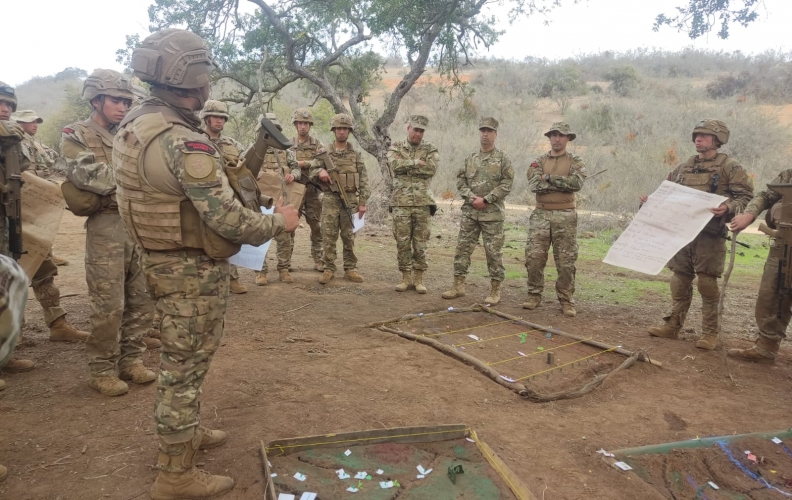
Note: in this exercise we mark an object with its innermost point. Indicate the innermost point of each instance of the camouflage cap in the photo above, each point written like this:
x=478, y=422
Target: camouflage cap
x=488, y=122
x=712, y=127
x=561, y=128
x=26, y=116
x=214, y=108
x=7, y=94
x=302, y=115
x=419, y=121
x=274, y=119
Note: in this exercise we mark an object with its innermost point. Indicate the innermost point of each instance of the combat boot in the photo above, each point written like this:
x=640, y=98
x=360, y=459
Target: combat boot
x=533, y=301
x=179, y=479
x=708, y=341
x=568, y=310
x=211, y=438
x=353, y=276
x=62, y=331
x=319, y=266
x=109, y=386
x=152, y=341
x=137, y=373
x=3, y=473
x=2, y=385
x=326, y=276
x=261, y=278
x=763, y=351
x=494, y=296
x=59, y=262
x=668, y=331
x=236, y=287
x=418, y=280
x=405, y=282
x=284, y=276
x=16, y=365
x=458, y=290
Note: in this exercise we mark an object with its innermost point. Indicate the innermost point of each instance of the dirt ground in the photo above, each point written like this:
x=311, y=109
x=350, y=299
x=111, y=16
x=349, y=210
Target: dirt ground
x=296, y=361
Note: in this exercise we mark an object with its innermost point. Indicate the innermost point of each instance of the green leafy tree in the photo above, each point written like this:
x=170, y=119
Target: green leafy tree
x=623, y=79
x=699, y=17
x=73, y=109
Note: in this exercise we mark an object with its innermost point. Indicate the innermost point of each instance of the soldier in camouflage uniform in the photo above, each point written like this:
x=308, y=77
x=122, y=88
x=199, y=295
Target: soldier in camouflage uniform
x=215, y=115
x=412, y=163
x=773, y=306
x=41, y=155
x=279, y=165
x=555, y=177
x=121, y=309
x=178, y=202
x=484, y=182
x=305, y=148
x=704, y=257
x=11, y=309
x=351, y=169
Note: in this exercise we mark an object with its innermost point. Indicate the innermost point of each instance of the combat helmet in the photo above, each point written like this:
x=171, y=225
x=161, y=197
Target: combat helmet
x=173, y=58
x=107, y=82
x=7, y=94
x=712, y=127
x=302, y=115
x=214, y=108
x=274, y=119
x=342, y=120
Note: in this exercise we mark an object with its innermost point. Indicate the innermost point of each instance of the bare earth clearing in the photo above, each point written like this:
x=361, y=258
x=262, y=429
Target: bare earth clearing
x=317, y=370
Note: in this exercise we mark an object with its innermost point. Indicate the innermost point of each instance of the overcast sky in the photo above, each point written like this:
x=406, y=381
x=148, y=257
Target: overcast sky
x=54, y=34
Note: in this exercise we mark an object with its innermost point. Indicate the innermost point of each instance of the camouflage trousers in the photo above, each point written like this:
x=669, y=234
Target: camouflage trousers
x=335, y=221
x=233, y=272
x=13, y=297
x=191, y=291
x=467, y=241
x=559, y=229
x=46, y=292
x=773, y=306
x=121, y=310
x=312, y=210
x=283, y=251
x=412, y=227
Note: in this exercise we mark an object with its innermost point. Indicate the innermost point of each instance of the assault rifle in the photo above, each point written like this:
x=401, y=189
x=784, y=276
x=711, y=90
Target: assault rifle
x=783, y=235
x=12, y=200
x=335, y=183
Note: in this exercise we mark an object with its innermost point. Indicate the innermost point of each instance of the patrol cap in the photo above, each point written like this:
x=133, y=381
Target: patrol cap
x=712, y=127
x=302, y=115
x=7, y=94
x=419, y=121
x=488, y=122
x=562, y=128
x=274, y=119
x=26, y=116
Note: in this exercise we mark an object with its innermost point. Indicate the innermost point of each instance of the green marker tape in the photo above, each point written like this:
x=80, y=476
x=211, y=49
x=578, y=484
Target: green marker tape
x=523, y=336
x=540, y=348
x=368, y=478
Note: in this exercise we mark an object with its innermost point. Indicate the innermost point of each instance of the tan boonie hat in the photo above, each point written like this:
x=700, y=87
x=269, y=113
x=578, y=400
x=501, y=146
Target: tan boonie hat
x=488, y=122
x=26, y=116
x=561, y=128
x=419, y=121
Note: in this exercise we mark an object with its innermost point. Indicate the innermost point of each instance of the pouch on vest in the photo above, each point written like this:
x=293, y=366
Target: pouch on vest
x=196, y=234
x=81, y=203
x=773, y=216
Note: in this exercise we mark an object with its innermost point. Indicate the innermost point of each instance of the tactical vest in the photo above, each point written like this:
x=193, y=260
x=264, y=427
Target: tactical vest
x=304, y=152
x=272, y=159
x=85, y=203
x=345, y=162
x=556, y=200
x=157, y=220
x=707, y=178
x=229, y=149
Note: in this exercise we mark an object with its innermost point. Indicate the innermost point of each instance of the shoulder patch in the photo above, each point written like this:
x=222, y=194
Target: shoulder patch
x=535, y=165
x=199, y=167
x=199, y=147
x=67, y=130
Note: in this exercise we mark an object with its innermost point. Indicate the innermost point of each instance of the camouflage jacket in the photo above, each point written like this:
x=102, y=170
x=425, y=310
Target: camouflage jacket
x=38, y=154
x=363, y=192
x=489, y=175
x=230, y=148
x=558, y=183
x=411, y=179
x=764, y=200
x=83, y=168
x=306, y=151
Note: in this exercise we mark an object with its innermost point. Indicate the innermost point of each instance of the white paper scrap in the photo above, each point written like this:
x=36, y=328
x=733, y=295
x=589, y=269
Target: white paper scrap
x=342, y=474
x=352, y=489
x=747, y=452
x=380, y=472
x=776, y=441
x=607, y=454
x=714, y=486
x=347, y=453
x=521, y=353
x=420, y=476
x=251, y=257
x=308, y=496
x=358, y=222
x=361, y=475
x=273, y=475
x=507, y=379
x=622, y=466
x=473, y=337
x=670, y=219
x=285, y=496
x=386, y=484
x=300, y=477
x=470, y=440
x=428, y=472
x=421, y=469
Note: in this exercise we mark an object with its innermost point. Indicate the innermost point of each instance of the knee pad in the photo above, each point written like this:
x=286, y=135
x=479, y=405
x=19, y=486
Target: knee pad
x=708, y=286
x=681, y=286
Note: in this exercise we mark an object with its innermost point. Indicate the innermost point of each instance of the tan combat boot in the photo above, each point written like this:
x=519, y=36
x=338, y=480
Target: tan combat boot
x=179, y=479
x=418, y=279
x=568, y=310
x=494, y=296
x=353, y=276
x=62, y=331
x=533, y=301
x=59, y=262
x=405, y=282
x=110, y=386
x=763, y=351
x=326, y=276
x=2, y=385
x=284, y=276
x=458, y=290
x=319, y=266
x=16, y=365
x=261, y=278
x=708, y=341
x=237, y=287
x=3, y=473
x=137, y=373
x=211, y=438
x=668, y=331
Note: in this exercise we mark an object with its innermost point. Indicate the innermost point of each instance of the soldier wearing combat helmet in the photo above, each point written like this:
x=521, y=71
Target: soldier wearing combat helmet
x=214, y=115
x=183, y=208
x=704, y=257
x=121, y=309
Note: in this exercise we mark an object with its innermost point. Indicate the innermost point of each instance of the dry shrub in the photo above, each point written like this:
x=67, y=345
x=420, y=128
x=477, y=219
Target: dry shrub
x=671, y=157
